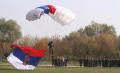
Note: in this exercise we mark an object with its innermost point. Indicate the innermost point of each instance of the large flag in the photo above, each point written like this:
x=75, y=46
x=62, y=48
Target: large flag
x=25, y=58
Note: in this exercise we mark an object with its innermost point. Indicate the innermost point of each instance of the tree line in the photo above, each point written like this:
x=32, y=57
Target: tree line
x=95, y=40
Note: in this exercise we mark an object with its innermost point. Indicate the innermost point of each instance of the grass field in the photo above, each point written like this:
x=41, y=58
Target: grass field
x=10, y=69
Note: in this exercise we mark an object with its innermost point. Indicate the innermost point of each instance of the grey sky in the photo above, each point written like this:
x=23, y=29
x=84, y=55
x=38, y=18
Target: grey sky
x=101, y=11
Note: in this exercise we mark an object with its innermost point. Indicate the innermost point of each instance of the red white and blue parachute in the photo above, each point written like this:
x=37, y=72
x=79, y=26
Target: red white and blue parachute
x=60, y=14
x=25, y=57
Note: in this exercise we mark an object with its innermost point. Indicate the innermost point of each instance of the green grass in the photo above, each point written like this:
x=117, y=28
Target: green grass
x=7, y=68
x=10, y=69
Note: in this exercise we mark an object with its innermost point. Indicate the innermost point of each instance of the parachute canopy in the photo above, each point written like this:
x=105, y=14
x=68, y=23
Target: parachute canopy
x=60, y=14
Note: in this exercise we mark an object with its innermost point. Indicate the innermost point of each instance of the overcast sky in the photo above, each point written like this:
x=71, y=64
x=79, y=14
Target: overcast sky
x=101, y=11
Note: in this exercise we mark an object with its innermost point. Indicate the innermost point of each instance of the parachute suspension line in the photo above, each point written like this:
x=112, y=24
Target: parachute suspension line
x=39, y=23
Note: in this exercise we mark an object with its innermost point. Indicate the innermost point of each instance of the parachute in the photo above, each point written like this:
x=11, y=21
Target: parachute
x=59, y=14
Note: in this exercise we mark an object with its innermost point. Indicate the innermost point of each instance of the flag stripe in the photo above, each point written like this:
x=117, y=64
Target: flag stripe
x=19, y=54
x=30, y=51
x=18, y=64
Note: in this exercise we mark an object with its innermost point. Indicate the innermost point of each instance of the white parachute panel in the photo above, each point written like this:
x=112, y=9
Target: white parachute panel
x=62, y=15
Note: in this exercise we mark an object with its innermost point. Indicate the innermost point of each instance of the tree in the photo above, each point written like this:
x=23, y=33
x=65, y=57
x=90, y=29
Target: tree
x=95, y=29
x=107, y=45
x=9, y=32
x=77, y=45
x=42, y=43
x=27, y=41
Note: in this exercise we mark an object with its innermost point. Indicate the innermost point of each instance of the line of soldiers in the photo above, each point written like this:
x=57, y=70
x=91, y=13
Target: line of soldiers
x=59, y=61
x=103, y=62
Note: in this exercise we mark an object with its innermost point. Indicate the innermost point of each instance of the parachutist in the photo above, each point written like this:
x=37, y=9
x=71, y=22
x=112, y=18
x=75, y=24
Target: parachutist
x=50, y=44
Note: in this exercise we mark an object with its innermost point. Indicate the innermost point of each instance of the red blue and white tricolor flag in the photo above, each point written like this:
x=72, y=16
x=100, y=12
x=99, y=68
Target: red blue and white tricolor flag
x=25, y=58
